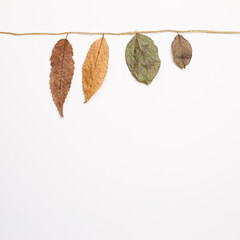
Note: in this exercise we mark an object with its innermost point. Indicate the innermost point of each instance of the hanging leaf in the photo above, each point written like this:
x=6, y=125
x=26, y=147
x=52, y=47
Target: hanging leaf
x=182, y=51
x=61, y=73
x=95, y=67
x=142, y=58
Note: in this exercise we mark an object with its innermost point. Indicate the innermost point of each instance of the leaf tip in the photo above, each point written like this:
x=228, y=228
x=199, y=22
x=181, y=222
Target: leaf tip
x=60, y=110
x=86, y=100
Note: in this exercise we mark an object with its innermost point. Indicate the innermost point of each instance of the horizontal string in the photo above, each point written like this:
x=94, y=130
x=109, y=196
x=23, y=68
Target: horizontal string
x=121, y=33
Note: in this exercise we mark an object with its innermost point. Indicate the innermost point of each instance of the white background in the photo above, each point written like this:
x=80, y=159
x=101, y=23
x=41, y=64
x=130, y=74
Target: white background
x=136, y=162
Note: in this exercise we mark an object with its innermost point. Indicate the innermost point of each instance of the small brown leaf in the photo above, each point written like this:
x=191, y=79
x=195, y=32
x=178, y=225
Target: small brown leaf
x=182, y=51
x=95, y=67
x=61, y=73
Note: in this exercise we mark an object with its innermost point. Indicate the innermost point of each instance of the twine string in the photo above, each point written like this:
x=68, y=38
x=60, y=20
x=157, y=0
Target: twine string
x=121, y=33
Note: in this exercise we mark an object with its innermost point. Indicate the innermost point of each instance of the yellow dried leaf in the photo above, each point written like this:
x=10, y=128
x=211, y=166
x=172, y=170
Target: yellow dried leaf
x=95, y=67
x=61, y=73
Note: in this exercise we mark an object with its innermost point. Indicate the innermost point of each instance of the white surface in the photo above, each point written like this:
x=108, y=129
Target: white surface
x=136, y=162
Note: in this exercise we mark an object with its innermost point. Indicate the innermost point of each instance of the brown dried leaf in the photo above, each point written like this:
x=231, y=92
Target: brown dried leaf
x=61, y=73
x=182, y=51
x=95, y=67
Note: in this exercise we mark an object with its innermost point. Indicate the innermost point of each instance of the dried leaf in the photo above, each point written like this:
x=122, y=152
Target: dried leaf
x=182, y=51
x=95, y=67
x=142, y=58
x=61, y=73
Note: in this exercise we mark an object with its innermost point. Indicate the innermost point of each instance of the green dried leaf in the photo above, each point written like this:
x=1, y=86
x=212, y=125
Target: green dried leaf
x=182, y=51
x=142, y=58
